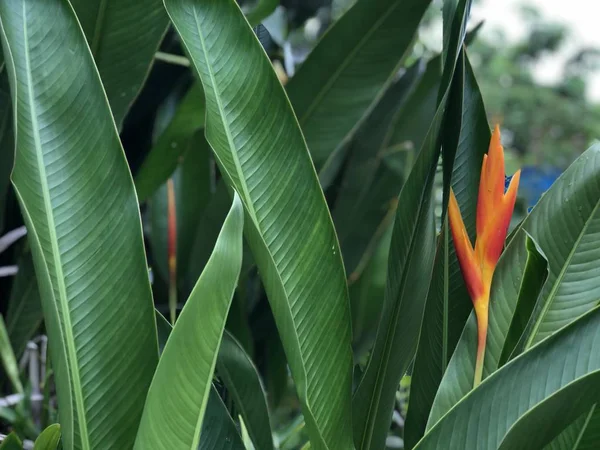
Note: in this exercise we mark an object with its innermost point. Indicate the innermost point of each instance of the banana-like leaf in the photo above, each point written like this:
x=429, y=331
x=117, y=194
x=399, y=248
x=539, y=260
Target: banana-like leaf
x=173, y=142
x=241, y=378
x=123, y=38
x=24, y=315
x=466, y=140
x=345, y=74
x=7, y=145
x=48, y=439
x=410, y=267
x=180, y=389
x=260, y=150
x=527, y=402
x=564, y=225
x=79, y=205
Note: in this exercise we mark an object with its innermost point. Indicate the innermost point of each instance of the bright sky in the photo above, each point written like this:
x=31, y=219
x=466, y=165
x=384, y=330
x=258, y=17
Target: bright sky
x=580, y=17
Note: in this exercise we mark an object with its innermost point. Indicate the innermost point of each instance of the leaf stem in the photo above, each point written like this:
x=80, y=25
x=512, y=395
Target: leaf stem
x=172, y=250
x=481, y=311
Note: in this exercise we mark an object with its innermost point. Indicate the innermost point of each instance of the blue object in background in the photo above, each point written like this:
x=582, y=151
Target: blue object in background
x=534, y=182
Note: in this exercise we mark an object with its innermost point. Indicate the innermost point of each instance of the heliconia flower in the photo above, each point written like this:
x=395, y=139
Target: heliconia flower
x=494, y=211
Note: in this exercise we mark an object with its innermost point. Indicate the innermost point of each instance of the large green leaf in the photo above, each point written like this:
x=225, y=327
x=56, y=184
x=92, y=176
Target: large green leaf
x=179, y=393
x=410, y=267
x=240, y=376
x=527, y=402
x=123, y=37
x=345, y=74
x=24, y=315
x=466, y=139
x=565, y=225
x=260, y=150
x=172, y=143
x=84, y=229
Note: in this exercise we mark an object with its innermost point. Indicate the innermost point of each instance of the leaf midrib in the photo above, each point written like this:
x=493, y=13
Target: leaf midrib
x=68, y=328
x=552, y=295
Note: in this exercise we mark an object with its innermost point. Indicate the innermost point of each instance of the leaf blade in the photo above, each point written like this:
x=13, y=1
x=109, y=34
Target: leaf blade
x=72, y=246
x=260, y=150
x=177, y=399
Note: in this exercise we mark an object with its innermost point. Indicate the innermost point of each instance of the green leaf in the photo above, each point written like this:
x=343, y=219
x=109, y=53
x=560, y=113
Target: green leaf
x=240, y=376
x=534, y=277
x=173, y=142
x=123, y=37
x=563, y=224
x=9, y=361
x=340, y=7
x=218, y=428
x=348, y=71
x=261, y=10
x=466, y=139
x=572, y=437
x=366, y=298
x=207, y=231
x=11, y=442
x=591, y=431
x=527, y=402
x=410, y=267
x=568, y=238
x=163, y=329
x=48, y=439
x=179, y=393
x=82, y=217
x=24, y=315
x=365, y=204
x=7, y=145
x=260, y=150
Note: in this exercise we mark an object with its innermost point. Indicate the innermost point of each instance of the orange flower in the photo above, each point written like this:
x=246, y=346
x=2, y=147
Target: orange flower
x=494, y=210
